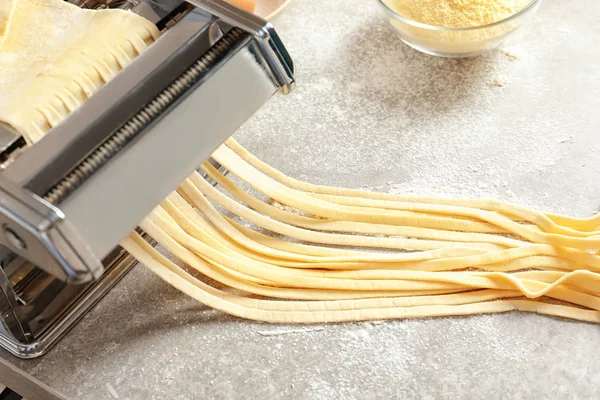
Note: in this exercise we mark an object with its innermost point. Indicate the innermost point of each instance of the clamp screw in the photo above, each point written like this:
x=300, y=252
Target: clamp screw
x=14, y=239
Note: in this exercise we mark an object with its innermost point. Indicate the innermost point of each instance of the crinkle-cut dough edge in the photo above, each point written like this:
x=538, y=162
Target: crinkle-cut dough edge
x=387, y=280
x=233, y=252
x=549, y=262
x=540, y=221
x=245, y=283
x=268, y=272
x=217, y=226
x=108, y=41
x=299, y=249
x=445, y=258
x=53, y=108
x=531, y=262
x=254, y=308
x=314, y=206
x=445, y=238
x=586, y=225
x=371, y=261
x=549, y=284
x=197, y=199
x=178, y=216
x=191, y=221
x=301, y=201
x=321, y=237
x=7, y=9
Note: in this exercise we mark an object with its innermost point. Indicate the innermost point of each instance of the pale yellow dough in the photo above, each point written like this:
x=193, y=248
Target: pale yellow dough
x=339, y=311
x=55, y=55
x=6, y=10
x=315, y=253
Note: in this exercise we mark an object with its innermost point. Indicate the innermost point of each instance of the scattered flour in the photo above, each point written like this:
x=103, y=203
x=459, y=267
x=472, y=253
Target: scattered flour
x=280, y=332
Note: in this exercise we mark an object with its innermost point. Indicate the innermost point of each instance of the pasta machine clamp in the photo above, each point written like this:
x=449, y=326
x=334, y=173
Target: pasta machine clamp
x=38, y=231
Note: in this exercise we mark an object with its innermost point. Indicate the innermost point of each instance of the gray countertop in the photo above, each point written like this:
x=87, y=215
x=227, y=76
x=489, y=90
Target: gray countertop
x=519, y=124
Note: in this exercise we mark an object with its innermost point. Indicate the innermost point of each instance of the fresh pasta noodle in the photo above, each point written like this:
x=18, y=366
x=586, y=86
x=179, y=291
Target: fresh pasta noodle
x=397, y=273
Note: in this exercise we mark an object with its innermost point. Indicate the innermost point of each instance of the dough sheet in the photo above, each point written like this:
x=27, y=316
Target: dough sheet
x=55, y=55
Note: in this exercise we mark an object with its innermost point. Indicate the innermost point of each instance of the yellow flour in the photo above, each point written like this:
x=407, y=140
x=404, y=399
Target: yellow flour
x=457, y=13
x=470, y=17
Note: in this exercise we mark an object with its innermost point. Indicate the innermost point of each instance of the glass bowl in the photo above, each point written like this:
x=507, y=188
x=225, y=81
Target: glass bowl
x=457, y=42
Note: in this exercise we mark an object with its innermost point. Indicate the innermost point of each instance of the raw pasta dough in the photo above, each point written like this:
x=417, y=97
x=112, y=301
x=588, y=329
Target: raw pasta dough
x=289, y=251
x=6, y=9
x=322, y=284
x=55, y=55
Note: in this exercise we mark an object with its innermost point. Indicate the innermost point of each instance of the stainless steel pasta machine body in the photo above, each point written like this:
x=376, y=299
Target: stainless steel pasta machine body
x=68, y=200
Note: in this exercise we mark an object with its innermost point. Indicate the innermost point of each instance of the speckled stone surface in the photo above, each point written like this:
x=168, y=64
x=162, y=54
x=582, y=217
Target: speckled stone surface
x=519, y=124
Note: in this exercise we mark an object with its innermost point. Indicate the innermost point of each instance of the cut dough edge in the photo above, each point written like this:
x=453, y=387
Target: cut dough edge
x=254, y=309
x=46, y=79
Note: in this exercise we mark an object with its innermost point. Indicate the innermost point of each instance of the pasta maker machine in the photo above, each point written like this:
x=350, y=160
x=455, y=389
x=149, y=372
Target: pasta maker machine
x=67, y=201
